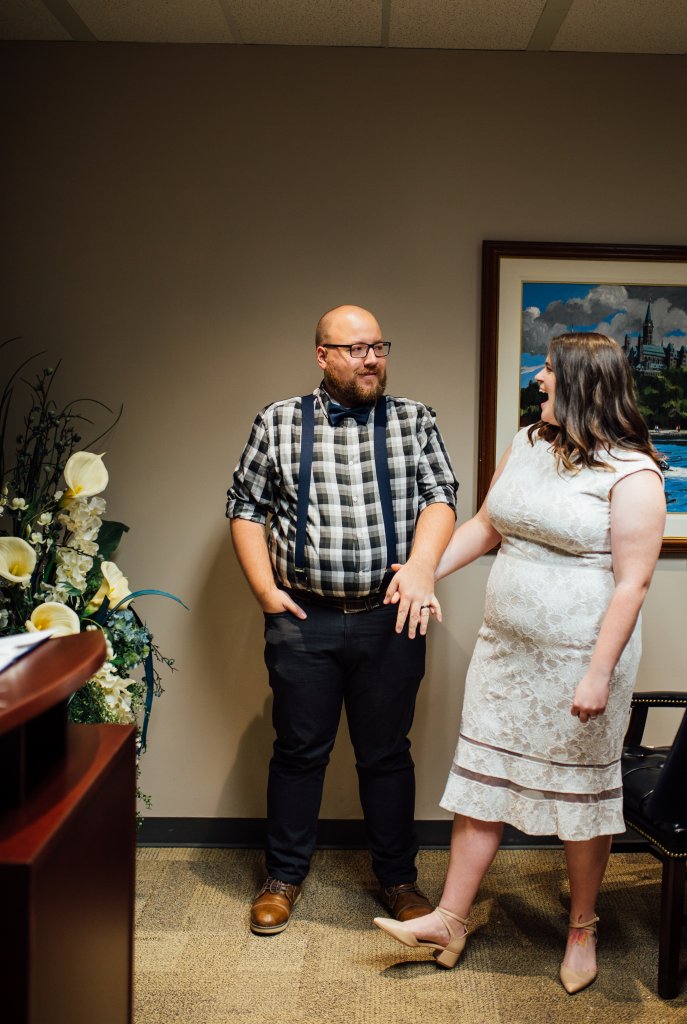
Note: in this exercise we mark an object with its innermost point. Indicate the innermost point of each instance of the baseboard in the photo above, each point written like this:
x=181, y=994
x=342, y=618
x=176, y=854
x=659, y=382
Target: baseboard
x=333, y=833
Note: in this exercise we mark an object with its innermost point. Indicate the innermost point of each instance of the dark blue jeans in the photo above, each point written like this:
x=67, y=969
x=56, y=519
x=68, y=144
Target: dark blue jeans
x=316, y=666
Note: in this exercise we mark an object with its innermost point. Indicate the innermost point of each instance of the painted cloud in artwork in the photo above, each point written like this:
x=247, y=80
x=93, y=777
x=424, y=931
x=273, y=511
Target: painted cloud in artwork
x=614, y=309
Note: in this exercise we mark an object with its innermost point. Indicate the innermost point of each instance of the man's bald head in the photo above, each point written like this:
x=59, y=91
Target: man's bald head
x=349, y=379
x=342, y=317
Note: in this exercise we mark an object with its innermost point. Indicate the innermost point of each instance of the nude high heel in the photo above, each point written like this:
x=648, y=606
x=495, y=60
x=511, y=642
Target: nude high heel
x=575, y=981
x=446, y=955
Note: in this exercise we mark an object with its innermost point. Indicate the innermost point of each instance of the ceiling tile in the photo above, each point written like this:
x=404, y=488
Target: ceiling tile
x=28, y=19
x=155, y=21
x=614, y=26
x=309, y=22
x=464, y=24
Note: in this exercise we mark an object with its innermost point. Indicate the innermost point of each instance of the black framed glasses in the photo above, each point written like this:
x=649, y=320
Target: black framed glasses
x=359, y=351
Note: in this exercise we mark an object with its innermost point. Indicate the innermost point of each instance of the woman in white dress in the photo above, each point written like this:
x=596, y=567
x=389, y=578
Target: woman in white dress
x=577, y=505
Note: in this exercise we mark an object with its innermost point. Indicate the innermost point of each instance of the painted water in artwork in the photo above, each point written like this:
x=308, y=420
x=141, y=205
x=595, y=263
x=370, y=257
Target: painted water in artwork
x=650, y=324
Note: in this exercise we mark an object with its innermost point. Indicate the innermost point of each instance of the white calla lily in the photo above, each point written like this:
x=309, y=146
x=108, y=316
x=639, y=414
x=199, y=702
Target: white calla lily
x=17, y=560
x=58, y=618
x=85, y=474
x=114, y=587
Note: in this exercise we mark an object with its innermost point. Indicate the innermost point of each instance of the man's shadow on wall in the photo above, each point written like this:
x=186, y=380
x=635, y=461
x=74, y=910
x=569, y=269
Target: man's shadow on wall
x=231, y=658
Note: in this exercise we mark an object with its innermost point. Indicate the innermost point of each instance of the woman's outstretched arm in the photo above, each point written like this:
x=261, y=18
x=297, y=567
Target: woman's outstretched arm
x=472, y=539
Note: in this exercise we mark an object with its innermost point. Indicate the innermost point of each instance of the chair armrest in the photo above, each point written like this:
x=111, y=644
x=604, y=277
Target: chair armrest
x=640, y=704
x=660, y=699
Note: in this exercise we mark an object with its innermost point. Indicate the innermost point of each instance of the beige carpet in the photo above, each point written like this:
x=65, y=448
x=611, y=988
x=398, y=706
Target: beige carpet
x=197, y=963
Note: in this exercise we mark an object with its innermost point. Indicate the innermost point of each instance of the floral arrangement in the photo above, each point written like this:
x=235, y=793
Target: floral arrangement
x=56, y=550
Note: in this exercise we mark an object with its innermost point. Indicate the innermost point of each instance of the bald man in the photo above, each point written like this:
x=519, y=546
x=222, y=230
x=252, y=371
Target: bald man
x=355, y=483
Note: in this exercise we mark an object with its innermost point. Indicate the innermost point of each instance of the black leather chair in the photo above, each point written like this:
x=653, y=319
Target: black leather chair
x=655, y=806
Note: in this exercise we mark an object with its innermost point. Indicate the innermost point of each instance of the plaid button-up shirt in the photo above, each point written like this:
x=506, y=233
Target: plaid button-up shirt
x=345, y=548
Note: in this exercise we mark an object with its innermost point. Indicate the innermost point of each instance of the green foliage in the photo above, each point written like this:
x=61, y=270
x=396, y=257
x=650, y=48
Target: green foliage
x=109, y=538
x=130, y=641
x=88, y=705
x=663, y=398
x=530, y=404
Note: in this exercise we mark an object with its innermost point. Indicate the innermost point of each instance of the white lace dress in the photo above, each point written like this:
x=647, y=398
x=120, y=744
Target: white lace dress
x=522, y=757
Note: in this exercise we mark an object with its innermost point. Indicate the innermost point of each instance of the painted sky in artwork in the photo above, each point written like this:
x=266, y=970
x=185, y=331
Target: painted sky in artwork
x=551, y=308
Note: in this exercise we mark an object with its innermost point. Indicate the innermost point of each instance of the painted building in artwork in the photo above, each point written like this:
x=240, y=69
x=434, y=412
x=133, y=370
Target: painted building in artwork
x=647, y=357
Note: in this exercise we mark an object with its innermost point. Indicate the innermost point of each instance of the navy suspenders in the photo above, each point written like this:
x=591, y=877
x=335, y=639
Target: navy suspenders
x=383, y=481
x=305, y=476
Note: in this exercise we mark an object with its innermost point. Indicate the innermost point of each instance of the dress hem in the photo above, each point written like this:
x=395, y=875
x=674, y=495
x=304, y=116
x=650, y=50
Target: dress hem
x=445, y=805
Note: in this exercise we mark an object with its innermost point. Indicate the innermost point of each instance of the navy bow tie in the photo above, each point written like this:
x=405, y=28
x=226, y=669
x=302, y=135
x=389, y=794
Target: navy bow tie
x=337, y=413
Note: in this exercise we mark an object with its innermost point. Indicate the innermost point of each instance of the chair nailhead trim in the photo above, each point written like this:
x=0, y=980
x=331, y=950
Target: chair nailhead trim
x=668, y=853
x=660, y=703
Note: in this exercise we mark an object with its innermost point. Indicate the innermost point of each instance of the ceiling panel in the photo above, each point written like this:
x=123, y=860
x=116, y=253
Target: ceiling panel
x=28, y=19
x=616, y=26
x=155, y=21
x=464, y=24
x=611, y=26
x=309, y=22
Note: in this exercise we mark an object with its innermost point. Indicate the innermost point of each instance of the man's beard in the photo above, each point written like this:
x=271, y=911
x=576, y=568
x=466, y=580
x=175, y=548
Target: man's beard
x=351, y=392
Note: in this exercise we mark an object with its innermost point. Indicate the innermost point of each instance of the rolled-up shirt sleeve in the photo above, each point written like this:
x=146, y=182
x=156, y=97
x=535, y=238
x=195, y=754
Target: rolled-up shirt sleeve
x=251, y=493
x=436, y=480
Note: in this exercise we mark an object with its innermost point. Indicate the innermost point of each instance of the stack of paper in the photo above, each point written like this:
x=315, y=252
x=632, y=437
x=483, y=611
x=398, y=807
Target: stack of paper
x=19, y=644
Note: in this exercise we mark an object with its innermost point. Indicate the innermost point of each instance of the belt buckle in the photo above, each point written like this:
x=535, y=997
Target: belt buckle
x=366, y=605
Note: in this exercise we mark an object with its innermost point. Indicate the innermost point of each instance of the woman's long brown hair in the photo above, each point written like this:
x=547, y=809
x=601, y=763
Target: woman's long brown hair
x=594, y=404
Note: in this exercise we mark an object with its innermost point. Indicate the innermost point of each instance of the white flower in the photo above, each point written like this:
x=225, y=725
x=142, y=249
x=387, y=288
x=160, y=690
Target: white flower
x=4, y=618
x=81, y=518
x=36, y=537
x=2, y=510
x=85, y=474
x=45, y=518
x=86, y=547
x=53, y=616
x=58, y=495
x=54, y=593
x=114, y=587
x=72, y=568
x=19, y=503
x=117, y=695
x=17, y=560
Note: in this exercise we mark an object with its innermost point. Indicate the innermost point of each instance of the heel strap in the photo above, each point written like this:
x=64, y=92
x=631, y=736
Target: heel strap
x=589, y=926
x=444, y=913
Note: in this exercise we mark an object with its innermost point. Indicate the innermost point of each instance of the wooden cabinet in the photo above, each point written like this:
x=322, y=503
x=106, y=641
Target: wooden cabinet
x=67, y=846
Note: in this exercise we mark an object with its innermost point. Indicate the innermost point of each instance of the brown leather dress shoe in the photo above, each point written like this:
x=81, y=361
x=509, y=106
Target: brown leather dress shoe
x=272, y=907
x=406, y=901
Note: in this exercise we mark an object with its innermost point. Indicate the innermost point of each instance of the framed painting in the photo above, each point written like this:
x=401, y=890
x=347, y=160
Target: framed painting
x=637, y=294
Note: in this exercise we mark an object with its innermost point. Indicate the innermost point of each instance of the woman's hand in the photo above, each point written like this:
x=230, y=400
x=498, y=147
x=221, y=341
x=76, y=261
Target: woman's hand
x=591, y=697
x=425, y=607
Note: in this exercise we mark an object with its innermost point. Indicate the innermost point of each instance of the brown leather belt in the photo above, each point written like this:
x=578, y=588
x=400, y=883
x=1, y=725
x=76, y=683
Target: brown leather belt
x=347, y=605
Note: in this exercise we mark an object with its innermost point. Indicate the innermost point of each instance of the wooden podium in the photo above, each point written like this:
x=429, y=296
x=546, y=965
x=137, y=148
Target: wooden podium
x=67, y=845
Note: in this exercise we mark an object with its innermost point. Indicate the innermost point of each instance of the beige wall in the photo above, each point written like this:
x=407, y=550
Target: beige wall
x=177, y=218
